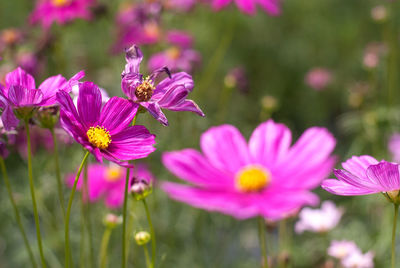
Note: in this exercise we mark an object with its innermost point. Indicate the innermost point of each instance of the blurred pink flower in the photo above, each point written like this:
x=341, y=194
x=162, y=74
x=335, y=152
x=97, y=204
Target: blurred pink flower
x=180, y=5
x=237, y=78
x=108, y=182
x=265, y=176
x=272, y=7
x=318, y=78
x=29, y=62
x=357, y=259
x=342, y=249
x=379, y=13
x=61, y=11
x=394, y=147
x=179, y=57
x=319, y=220
x=372, y=54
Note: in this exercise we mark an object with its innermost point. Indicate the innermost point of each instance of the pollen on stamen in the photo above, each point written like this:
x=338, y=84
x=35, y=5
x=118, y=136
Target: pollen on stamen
x=99, y=137
x=60, y=3
x=145, y=90
x=252, y=179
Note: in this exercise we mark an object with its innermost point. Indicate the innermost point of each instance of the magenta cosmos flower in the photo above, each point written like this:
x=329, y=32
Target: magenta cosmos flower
x=104, y=131
x=108, y=182
x=20, y=93
x=363, y=175
x=272, y=7
x=60, y=11
x=265, y=177
x=179, y=56
x=169, y=94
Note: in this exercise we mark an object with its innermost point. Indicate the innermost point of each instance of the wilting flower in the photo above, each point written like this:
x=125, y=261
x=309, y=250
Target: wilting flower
x=342, y=249
x=61, y=11
x=104, y=131
x=107, y=183
x=265, y=176
x=319, y=220
x=20, y=94
x=394, y=147
x=357, y=259
x=169, y=94
x=179, y=57
x=272, y=7
x=318, y=78
x=138, y=24
x=365, y=175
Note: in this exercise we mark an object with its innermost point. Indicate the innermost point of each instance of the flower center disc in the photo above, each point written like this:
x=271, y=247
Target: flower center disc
x=99, y=137
x=113, y=173
x=174, y=53
x=60, y=3
x=144, y=91
x=252, y=179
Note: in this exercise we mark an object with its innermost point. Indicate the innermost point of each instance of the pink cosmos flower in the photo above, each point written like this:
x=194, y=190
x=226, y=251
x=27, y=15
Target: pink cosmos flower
x=180, y=5
x=319, y=220
x=342, y=249
x=265, y=176
x=61, y=11
x=318, y=78
x=365, y=175
x=359, y=260
x=169, y=94
x=394, y=147
x=108, y=182
x=104, y=131
x=179, y=57
x=272, y=7
x=20, y=93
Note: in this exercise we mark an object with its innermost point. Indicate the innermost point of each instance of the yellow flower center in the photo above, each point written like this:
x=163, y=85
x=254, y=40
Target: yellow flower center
x=99, y=137
x=151, y=29
x=113, y=173
x=173, y=53
x=252, y=179
x=145, y=90
x=60, y=3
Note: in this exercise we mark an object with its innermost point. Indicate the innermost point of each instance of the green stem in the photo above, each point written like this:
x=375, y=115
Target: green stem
x=396, y=212
x=263, y=244
x=125, y=208
x=146, y=254
x=58, y=173
x=71, y=198
x=31, y=186
x=16, y=211
x=152, y=233
x=87, y=216
x=103, y=247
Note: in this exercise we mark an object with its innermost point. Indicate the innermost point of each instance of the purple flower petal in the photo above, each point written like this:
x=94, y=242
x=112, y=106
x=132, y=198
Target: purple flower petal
x=20, y=96
x=341, y=188
x=9, y=119
x=89, y=103
x=50, y=87
x=134, y=57
x=358, y=165
x=155, y=110
x=386, y=175
x=21, y=78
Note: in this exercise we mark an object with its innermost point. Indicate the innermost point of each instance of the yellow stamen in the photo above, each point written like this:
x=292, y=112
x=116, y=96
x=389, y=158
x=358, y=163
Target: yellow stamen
x=145, y=90
x=60, y=3
x=113, y=173
x=99, y=137
x=252, y=179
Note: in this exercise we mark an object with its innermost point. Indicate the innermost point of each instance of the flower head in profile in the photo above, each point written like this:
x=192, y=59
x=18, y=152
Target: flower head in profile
x=266, y=176
x=180, y=56
x=342, y=249
x=60, y=11
x=104, y=131
x=272, y=7
x=363, y=175
x=319, y=220
x=169, y=94
x=107, y=182
x=20, y=93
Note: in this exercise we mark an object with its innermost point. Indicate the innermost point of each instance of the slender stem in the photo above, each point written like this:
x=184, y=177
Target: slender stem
x=396, y=212
x=103, y=247
x=87, y=215
x=124, y=219
x=16, y=211
x=146, y=254
x=152, y=233
x=71, y=198
x=32, y=188
x=58, y=173
x=263, y=244
x=82, y=238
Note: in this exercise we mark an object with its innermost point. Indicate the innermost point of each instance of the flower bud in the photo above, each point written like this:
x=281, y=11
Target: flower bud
x=393, y=196
x=140, y=188
x=112, y=220
x=48, y=116
x=142, y=238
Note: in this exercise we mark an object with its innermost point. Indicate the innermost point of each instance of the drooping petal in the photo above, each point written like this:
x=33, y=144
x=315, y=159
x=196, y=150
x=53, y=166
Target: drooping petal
x=89, y=103
x=176, y=79
x=341, y=188
x=155, y=110
x=117, y=114
x=134, y=57
x=19, y=77
x=225, y=148
x=129, y=83
x=385, y=174
x=20, y=96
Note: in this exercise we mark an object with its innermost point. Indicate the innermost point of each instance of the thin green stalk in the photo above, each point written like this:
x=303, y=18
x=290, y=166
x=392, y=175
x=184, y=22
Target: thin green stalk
x=104, y=246
x=88, y=224
x=16, y=211
x=32, y=189
x=263, y=244
x=152, y=233
x=125, y=208
x=82, y=238
x=71, y=198
x=396, y=212
x=146, y=254
x=58, y=173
